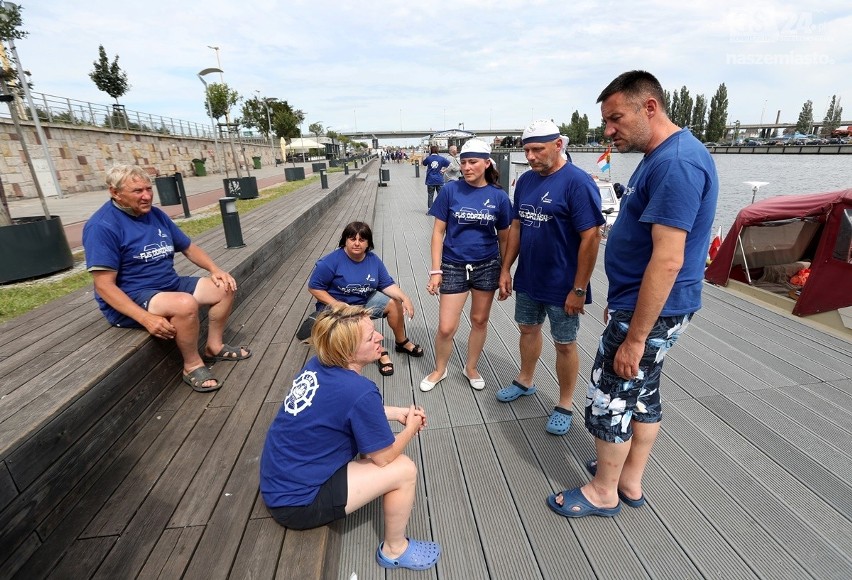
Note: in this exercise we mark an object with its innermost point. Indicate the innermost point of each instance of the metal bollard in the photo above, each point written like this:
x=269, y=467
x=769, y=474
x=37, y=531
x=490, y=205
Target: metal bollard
x=182, y=193
x=231, y=222
x=345, y=169
x=356, y=164
x=416, y=170
x=323, y=179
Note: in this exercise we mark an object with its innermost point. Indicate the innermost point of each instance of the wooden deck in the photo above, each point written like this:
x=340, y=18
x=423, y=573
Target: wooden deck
x=751, y=476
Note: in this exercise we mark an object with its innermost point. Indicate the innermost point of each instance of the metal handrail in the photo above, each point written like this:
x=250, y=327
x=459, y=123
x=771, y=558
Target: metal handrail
x=62, y=110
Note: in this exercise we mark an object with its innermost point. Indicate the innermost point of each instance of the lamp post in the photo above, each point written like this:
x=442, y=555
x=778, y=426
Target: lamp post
x=333, y=151
x=201, y=76
x=227, y=112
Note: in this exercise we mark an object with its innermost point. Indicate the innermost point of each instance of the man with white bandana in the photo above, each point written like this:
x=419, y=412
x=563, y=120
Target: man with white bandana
x=555, y=238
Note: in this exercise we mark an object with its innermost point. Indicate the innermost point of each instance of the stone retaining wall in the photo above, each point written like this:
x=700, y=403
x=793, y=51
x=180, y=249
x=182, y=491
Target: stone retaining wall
x=81, y=156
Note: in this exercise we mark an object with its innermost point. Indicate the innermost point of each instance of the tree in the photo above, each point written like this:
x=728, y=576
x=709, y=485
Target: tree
x=286, y=120
x=806, y=118
x=255, y=114
x=220, y=99
x=683, y=118
x=699, y=116
x=316, y=129
x=109, y=78
x=718, y=117
x=832, y=117
x=577, y=130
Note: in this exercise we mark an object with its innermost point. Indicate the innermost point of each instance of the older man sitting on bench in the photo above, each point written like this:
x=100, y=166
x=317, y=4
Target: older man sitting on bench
x=130, y=247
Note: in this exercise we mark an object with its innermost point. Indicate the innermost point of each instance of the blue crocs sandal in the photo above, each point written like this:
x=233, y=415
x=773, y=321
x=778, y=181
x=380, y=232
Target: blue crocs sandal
x=592, y=467
x=417, y=556
x=514, y=391
x=559, y=421
x=575, y=505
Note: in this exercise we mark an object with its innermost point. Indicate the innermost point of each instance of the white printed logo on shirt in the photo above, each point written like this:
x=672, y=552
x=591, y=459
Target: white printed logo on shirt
x=302, y=393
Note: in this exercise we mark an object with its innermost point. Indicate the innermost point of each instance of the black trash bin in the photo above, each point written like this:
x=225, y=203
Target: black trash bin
x=167, y=189
x=256, y=161
x=317, y=166
x=385, y=174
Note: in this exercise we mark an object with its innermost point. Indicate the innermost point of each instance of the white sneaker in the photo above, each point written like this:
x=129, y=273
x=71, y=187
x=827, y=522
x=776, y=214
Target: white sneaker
x=426, y=385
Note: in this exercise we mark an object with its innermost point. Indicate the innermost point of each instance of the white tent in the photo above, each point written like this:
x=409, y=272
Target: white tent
x=301, y=145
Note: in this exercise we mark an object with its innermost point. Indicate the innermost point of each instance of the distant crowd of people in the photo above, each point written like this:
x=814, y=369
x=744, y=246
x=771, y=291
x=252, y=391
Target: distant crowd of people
x=397, y=155
x=330, y=450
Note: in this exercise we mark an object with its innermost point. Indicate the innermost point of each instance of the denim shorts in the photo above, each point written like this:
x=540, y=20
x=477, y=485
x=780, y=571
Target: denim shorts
x=376, y=303
x=613, y=402
x=563, y=326
x=329, y=505
x=458, y=278
x=143, y=298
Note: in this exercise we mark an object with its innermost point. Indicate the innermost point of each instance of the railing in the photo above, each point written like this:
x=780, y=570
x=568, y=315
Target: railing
x=53, y=109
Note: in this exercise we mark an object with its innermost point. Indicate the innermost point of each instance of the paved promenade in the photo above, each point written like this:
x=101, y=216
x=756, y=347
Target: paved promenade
x=202, y=192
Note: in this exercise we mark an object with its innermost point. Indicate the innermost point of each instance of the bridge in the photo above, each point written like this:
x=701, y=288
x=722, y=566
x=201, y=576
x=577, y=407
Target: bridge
x=423, y=133
x=356, y=135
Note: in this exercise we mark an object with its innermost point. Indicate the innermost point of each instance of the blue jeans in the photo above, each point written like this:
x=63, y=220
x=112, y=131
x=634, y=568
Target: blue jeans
x=431, y=192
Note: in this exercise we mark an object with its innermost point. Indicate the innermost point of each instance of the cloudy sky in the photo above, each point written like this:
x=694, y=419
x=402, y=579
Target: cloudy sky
x=390, y=65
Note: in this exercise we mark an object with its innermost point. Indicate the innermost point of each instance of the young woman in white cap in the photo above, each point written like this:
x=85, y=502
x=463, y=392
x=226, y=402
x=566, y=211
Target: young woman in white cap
x=472, y=219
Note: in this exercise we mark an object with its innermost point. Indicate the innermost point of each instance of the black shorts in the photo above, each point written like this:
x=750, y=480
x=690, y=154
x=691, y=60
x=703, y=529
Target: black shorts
x=329, y=505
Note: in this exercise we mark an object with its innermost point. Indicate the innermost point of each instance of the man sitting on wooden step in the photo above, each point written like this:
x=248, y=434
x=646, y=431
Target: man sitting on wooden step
x=130, y=247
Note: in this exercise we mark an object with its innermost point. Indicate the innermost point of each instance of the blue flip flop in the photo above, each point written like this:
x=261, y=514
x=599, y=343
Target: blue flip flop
x=514, y=391
x=559, y=421
x=417, y=556
x=575, y=505
x=592, y=467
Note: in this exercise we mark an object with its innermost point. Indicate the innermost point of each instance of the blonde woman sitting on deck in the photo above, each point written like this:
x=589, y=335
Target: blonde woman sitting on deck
x=331, y=451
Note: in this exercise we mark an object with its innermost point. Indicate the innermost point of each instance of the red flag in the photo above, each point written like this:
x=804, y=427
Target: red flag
x=715, y=244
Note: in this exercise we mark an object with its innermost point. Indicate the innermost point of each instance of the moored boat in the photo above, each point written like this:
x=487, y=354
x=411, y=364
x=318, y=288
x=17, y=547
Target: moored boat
x=795, y=252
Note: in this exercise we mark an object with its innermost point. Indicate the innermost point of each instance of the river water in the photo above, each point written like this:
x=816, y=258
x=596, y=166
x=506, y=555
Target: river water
x=786, y=174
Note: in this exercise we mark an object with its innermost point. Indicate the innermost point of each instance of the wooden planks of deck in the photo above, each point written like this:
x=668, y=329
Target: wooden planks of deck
x=750, y=478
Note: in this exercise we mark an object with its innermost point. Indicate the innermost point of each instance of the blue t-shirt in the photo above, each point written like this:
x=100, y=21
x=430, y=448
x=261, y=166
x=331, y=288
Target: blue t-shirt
x=473, y=216
x=552, y=210
x=347, y=280
x=675, y=185
x=140, y=249
x=434, y=163
x=330, y=415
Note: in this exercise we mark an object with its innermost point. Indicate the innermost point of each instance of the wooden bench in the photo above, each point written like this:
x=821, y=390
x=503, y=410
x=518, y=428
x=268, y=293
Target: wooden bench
x=76, y=394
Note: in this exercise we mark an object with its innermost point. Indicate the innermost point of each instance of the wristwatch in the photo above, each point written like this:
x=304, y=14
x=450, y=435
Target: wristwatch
x=580, y=291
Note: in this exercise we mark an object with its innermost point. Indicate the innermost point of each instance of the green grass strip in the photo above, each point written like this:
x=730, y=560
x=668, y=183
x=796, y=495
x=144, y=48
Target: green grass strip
x=20, y=298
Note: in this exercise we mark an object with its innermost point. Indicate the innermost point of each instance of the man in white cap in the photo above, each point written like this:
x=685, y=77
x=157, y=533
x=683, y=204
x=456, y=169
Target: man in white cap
x=555, y=237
